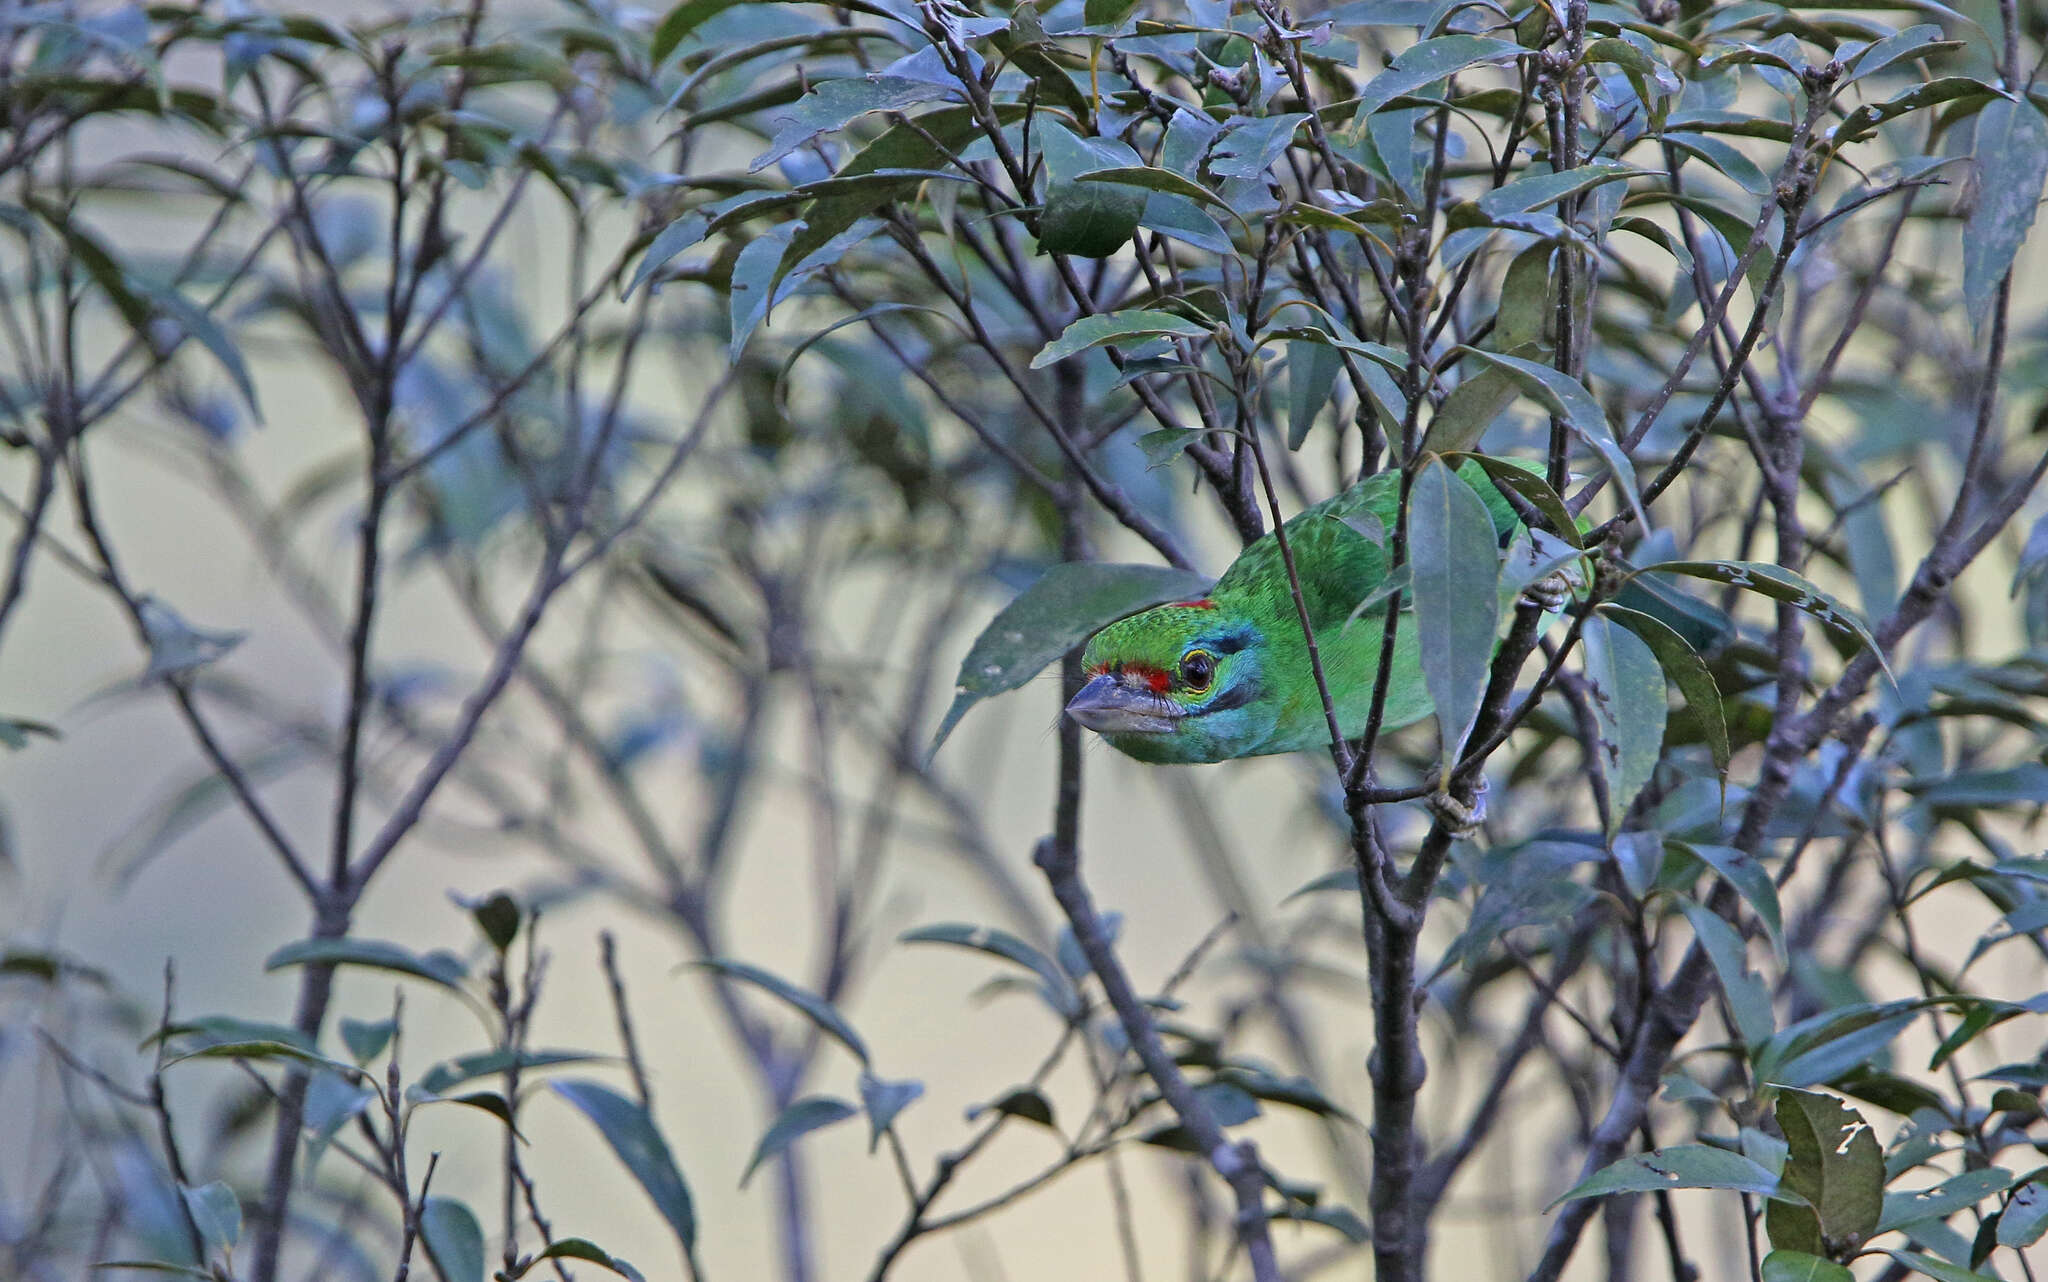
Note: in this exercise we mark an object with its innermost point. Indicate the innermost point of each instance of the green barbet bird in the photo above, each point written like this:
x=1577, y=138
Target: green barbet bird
x=1229, y=676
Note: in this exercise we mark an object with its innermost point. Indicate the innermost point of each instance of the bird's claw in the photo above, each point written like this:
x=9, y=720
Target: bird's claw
x=1459, y=819
x=1550, y=593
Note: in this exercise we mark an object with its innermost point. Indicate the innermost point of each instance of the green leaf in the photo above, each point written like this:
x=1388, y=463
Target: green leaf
x=453, y=1238
x=498, y=918
x=576, y=1248
x=1830, y=1044
x=438, y=967
x=1455, y=557
x=200, y=324
x=1250, y=145
x=1568, y=399
x=1689, y=673
x=1311, y=373
x=1530, y=487
x=2025, y=1217
x=2022, y=785
x=1053, y=982
x=1427, y=61
x=1534, y=191
x=815, y=1008
x=1116, y=328
x=366, y=1038
x=261, y=1050
x=1917, y=41
x=1092, y=220
x=1152, y=178
x=812, y=1113
x=1781, y=584
x=639, y=1145
x=883, y=1101
x=916, y=147
x=217, y=1213
x=834, y=104
x=1663, y=237
x=1798, y=1266
x=2012, y=161
x=176, y=647
x=1723, y=157
x=686, y=17
x=1909, y=1206
x=1940, y=1270
x=1750, y=879
x=1834, y=1163
x=1024, y=1101
x=1681, y=1166
x=15, y=732
x=1628, y=704
x=1067, y=605
x=1748, y=997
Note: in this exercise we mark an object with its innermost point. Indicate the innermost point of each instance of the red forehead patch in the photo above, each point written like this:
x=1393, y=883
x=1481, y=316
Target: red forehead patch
x=1204, y=604
x=1151, y=676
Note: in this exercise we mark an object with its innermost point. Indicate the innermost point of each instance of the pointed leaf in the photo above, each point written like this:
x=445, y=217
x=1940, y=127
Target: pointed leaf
x=1025, y=1102
x=1628, y=704
x=443, y=968
x=639, y=1145
x=798, y=1120
x=816, y=1008
x=1681, y=1166
x=1940, y=1270
x=1531, y=488
x=1138, y=324
x=1533, y=191
x=1781, y=584
x=217, y=1212
x=1311, y=373
x=1798, y=1266
x=1568, y=399
x=1058, y=989
x=1748, y=998
x=1689, y=673
x=1455, y=557
x=576, y=1248
x=2012, y=161
x=883, y=1101
x=1750, y=879
x=1067, y=605
x=1427, y=61
x=1909, y=1206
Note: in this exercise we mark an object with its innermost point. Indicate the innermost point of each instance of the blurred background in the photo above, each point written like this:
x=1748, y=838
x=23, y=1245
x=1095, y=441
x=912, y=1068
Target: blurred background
x=785, y=532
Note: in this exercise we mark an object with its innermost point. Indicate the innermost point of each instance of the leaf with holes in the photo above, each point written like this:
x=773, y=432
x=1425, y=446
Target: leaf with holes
x=1835, y=1165
x=1781, y=584
x=1680, y=1166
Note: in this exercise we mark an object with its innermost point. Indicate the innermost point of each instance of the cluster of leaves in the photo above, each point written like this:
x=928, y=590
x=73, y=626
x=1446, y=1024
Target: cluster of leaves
x=1677, y=280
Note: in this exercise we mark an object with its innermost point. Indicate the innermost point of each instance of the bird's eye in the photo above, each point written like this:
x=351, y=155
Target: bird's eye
x=1197, y=670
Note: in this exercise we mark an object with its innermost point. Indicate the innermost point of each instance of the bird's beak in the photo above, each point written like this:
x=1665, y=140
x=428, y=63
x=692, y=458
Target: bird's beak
x=1108, y=706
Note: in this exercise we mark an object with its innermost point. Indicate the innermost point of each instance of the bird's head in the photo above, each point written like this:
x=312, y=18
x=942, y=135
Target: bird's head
x=1176, y=683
